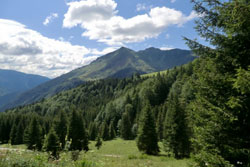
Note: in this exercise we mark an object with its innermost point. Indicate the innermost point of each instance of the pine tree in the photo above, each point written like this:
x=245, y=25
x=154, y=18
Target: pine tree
x=92, y=131
x=159, y=125
x=125, y=126
x=33, y=135
x=77, y=133
x=6, y=129
x=105, y=131
x=112, y=133
x=98, y=143
x=221, y=108
x=20, y=131
x=60, y=126
x=13, y=135
x=147, y=140
x=176, y=133
x=52, y=144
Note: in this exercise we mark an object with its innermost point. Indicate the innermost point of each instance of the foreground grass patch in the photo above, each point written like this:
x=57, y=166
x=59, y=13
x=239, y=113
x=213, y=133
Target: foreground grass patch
x=116, y=153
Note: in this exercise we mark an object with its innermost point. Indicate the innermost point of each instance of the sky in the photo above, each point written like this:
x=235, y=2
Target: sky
x=53, y=37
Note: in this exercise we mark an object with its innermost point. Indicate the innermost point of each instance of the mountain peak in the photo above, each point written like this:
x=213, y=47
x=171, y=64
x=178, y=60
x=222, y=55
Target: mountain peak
x=124, y=49
x=121, y=63
x=152, y=48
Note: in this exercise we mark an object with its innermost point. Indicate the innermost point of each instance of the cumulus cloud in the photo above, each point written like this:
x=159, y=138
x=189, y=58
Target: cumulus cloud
x=50, y=18
x=26, y=50
x=88, y=11
x=100, y=21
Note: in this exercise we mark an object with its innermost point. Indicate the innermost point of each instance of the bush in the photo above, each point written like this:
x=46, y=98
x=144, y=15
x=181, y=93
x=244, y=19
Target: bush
x=75, y=155
x=85, y=163
x=132, y=157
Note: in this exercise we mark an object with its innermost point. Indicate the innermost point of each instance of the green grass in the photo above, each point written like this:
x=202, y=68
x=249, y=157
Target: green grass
x=116, y=153
x=13, y=146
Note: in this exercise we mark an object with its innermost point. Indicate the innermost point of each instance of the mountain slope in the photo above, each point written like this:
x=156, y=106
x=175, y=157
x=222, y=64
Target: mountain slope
x=13, y=83
x=118, y=64
x=121, y=63
x=165, y=59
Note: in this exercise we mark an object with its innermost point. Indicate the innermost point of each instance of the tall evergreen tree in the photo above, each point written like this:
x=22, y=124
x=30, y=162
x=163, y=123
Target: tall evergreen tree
x=20, y=131
x=98, y=143
x=112, y=133
x=92, y=131
x=220, y=107
x=159, y=124
x=176, y=130
x=13, y=135
x=60, y=126
x=105, y=131
x=52, y=144
x=77, y=133
x=33, y=136
x=147, y=140
x=126, y=126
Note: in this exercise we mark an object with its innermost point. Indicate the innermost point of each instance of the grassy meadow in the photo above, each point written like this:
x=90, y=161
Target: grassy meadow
x=115, y=153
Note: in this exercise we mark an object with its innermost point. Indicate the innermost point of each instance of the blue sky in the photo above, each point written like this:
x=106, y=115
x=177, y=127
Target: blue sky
x=52, y=37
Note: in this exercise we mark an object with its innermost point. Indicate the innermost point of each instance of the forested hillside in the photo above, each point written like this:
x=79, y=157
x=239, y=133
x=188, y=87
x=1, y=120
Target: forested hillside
x=113, y=105
x=121, y=63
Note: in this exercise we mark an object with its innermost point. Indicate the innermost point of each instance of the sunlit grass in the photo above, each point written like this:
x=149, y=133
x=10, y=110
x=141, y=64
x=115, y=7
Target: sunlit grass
x=115, y=153
x=154, y=74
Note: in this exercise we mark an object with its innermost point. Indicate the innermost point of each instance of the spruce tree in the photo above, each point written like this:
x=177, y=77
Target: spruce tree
x=60, y=126
x=125, y=130
x=33, y=135
x=221, y=109
x=159, y=124
x=77, y=133
x=52, y=144
x=13, y=135
x=98, y=143
x=92, y=131
x=147, y=140
x=176, y=133
x=20, y=131
x=105, y=131
x=112, y=133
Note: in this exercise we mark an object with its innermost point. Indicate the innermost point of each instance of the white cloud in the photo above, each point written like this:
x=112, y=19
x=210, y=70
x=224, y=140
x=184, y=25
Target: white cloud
x=172, y=1
x=50, y=18
x=100, y=21
x=80, y=12
x=167, y=47
x=26, y=50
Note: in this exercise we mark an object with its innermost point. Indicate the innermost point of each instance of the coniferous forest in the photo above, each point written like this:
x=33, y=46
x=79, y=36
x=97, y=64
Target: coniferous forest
x=200, y=110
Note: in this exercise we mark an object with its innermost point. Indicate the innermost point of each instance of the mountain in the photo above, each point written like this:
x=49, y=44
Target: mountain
x=13, y=83
x=162, y=60
x=118, y=64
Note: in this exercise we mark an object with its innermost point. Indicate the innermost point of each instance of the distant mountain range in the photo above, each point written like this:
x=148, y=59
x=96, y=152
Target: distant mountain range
x=13, y=83
x=119, y=64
